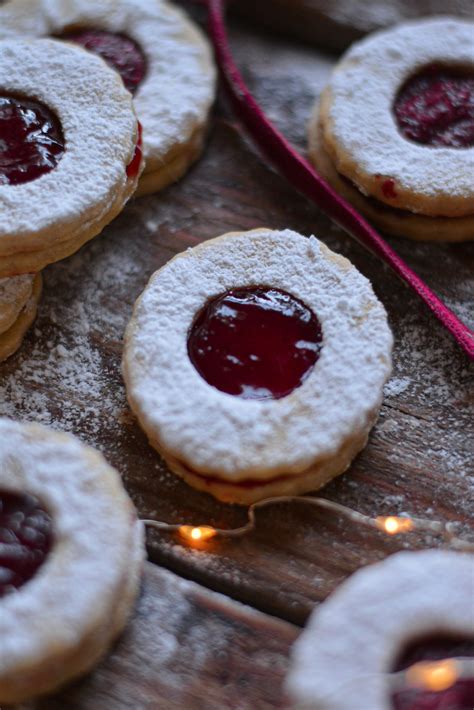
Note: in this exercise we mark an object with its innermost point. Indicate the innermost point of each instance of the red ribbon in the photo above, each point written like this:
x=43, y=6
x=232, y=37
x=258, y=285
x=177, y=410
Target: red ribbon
x=301, y=174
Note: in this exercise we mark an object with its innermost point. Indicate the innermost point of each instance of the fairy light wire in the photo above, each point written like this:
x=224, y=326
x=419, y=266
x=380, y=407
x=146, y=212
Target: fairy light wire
x=391, y=525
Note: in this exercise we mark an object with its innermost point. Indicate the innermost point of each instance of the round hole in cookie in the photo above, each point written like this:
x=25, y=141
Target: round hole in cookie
x=435, y=107
x=255, y=342
x=26, y=538
x=31, y=139
x=451, y=693
x=120, y=52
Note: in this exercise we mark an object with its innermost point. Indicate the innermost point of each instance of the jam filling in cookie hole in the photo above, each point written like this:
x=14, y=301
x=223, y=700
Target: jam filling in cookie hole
x=447, y=691
x=435, y=107
x=25, y=539
x=255, y=343
x=31, y=140
x=119, y=51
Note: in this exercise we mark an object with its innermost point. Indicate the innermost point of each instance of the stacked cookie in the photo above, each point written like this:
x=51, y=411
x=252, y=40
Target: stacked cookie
x=251, y=379
x=72, y=150
x=71, y=559
x=394, y=130
x=68, y=157
x=162, y=57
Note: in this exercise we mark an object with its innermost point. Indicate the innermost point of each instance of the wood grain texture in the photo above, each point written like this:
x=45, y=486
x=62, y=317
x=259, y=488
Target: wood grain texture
x=335, y=24
x=185, y=648
x=419, y=457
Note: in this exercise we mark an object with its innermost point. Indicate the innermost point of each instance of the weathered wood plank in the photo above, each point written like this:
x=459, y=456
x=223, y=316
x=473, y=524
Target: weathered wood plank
x=186, y=647
x=336, y=23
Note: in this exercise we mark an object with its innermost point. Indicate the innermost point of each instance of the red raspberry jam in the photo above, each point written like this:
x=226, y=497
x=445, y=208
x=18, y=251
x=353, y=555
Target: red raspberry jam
x=255, y=343
x=459, y=696
x=118, y=50
x=134, y=166
x=31, y=140
x=436, y=108
x=25, y=539
x=388, y=189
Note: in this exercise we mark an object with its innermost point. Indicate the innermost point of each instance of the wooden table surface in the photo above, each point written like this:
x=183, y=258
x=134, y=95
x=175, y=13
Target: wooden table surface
x=335, y=24
x=187, y=647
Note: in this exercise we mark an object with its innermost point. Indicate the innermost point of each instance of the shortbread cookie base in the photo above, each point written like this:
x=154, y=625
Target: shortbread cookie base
x=14, y=295
x=33, y=261
x=314, y=478
x=216, y=441
x=413, y=226
x=11, y=340
x=176, y=164
x=361, y=134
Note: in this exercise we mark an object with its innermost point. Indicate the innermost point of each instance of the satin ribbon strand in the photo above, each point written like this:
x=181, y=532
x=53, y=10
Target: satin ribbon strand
x=301, y=174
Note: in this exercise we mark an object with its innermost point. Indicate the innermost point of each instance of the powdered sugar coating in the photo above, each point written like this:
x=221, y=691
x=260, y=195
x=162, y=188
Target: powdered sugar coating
x=99, y=126
x=14, y=294
x=231, y=438
x=178, y=88
x=94, y=528
x=353, y=640
x=367, y=141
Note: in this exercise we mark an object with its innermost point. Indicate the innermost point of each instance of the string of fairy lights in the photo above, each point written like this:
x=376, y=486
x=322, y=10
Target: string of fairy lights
x=434, y=676
x=391, y=524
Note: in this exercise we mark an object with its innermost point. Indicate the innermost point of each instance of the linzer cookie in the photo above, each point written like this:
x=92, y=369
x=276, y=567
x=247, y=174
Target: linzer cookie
x=412, y=609
x=69, y=155
x=19, y=298
x=394, y=130
x=255, y=364
x=70, y=559
x=162, y=57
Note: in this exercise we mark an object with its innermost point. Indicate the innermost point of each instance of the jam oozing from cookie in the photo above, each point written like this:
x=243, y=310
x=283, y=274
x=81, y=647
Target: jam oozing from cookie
x=134, y=166
x=31, y=140
x=255, y=343
x=119, y=51
x=25, y=539
x=436, y=108
x=458, y=695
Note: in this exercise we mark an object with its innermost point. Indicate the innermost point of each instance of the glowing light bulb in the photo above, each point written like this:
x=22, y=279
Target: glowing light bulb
x=433, y=675
x=393, y=525
x=197, y=534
